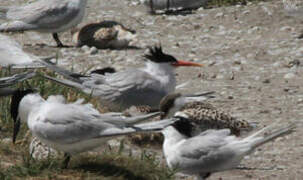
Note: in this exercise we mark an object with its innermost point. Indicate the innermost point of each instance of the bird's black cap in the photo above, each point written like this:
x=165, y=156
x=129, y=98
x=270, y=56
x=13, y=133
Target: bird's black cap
x=156, y=55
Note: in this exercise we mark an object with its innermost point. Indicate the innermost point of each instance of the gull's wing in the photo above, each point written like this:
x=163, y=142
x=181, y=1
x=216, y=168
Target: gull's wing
x=8, y=81
x=42, y=14
x=71, y=123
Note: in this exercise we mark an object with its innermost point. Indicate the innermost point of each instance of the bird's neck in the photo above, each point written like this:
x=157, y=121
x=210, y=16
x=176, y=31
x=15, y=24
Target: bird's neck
x=164, y=72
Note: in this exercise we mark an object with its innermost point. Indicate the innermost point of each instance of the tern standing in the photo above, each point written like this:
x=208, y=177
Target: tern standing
x=46, y=16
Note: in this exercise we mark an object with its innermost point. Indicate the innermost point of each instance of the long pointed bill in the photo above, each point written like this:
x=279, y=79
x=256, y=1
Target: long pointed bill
x=16, y=129
x=187, y=63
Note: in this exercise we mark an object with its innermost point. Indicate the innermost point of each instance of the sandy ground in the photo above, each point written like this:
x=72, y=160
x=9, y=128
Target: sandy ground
x=254, y=63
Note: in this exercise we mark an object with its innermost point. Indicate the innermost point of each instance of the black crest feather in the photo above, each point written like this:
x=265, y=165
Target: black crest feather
x=156, y=55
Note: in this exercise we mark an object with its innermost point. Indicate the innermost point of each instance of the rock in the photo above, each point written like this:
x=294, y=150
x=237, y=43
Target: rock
x=266, y=81
x=289, y=76
x=93, y=50
x=85, y=48
x=220, y=14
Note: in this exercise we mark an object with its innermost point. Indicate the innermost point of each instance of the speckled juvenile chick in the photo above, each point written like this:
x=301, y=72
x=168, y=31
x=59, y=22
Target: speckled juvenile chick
x=103, y=35
x=203, y=115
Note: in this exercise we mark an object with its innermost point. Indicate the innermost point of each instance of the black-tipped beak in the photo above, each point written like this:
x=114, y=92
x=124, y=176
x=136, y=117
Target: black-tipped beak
x=16, y=129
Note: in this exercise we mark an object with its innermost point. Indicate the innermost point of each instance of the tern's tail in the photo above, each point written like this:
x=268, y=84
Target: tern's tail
x=129, y=121
x=8, y=81
x=145, y=127
x=66, y=82
x=258, y=141
x=65, y=73
x=16, y=26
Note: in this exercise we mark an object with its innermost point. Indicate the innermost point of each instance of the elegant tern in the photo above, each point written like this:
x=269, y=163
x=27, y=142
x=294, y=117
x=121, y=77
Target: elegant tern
x=46, y=16
x=132, y=87
x=212, y=150
x=73, y=127
x=202, y=114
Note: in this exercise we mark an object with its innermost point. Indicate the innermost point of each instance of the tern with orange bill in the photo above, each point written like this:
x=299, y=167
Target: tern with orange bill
x=132, y=87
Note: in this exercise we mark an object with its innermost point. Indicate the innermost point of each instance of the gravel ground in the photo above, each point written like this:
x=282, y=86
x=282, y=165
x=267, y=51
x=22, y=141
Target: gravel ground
x=254, y=63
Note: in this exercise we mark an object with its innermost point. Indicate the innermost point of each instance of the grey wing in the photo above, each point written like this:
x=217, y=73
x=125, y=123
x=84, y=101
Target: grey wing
x=204, y=143
x=68, y=123
x=206, y=152
x=132, y=87
x=44, y=14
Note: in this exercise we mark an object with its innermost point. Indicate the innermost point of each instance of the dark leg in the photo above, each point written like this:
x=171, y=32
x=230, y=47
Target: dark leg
x=56, y=38
x=66, y=160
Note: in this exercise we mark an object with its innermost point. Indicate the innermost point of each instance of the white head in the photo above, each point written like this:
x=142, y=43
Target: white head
x=162, y=67
x=157, y=58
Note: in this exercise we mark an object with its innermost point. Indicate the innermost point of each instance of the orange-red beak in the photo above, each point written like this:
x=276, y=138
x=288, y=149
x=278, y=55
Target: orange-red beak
x=187, y=63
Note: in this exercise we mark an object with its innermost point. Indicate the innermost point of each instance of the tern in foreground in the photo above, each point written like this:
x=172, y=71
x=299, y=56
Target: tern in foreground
x=212, y=150
x=202, y=114
x=46, y=16
x=132, y=87
x=73, y=127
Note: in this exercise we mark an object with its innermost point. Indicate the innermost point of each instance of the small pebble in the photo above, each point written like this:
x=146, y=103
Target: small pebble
x=289, y=76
